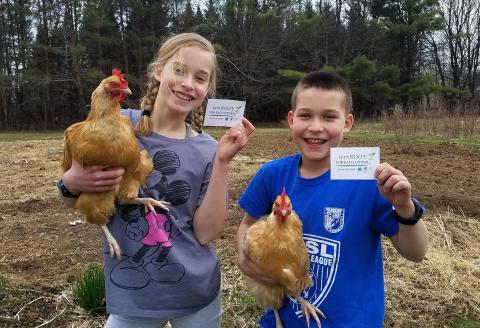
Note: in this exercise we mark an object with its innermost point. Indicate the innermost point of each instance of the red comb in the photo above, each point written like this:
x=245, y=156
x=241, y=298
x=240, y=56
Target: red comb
x=282, y=196
x=118, y=73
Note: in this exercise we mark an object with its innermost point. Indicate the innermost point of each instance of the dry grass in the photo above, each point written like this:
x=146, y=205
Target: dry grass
x=456, y=125
x=445, y=285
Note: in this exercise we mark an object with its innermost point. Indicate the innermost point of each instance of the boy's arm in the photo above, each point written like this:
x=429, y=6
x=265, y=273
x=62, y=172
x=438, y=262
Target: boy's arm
x=244, y=262
x=411, y=241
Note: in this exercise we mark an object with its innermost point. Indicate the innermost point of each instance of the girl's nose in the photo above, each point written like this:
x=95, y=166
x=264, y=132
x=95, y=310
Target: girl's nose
x=187, y=82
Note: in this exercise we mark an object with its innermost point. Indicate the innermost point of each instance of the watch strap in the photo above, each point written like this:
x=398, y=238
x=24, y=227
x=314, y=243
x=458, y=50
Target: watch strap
x=64, y=190
x=419, y=209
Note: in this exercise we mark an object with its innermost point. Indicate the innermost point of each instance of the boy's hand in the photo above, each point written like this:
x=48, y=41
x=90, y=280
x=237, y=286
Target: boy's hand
x=252, y=270
x=395, y=187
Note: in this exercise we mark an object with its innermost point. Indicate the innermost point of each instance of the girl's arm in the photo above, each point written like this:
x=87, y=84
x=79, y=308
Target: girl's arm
x=210, y=216
x=95, y=178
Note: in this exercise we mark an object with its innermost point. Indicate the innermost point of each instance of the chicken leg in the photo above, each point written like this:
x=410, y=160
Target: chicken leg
x=149, y=204
x=308, y=309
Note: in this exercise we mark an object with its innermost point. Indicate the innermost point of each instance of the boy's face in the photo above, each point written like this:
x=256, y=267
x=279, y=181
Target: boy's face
x=317, y=124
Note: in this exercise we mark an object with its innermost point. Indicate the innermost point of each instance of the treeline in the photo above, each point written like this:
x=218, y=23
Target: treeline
x=53, y=53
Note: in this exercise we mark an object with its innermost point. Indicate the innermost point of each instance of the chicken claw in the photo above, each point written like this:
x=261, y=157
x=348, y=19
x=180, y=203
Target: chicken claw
x=150, y=204
x=278, y=322
x=112, y=243
x=308, y=309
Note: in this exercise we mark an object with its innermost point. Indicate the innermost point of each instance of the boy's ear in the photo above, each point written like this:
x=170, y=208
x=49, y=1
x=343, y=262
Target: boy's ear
x=290, y=118
x=348, y=123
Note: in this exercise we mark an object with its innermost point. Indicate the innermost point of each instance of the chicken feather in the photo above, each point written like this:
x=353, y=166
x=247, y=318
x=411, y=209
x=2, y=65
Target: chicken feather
x=275, y=244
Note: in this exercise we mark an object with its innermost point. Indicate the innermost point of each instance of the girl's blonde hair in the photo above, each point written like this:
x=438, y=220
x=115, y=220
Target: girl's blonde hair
x=169, y=49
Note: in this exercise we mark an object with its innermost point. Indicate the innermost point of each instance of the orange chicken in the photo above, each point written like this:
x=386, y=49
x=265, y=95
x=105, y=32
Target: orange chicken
x=275, y=244
x=107, y=138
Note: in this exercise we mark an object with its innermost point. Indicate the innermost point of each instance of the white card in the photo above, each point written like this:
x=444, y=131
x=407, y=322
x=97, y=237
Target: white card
x=223, y=112
x=354, y=163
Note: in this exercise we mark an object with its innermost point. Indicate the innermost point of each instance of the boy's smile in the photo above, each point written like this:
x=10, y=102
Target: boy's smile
x=317, y=124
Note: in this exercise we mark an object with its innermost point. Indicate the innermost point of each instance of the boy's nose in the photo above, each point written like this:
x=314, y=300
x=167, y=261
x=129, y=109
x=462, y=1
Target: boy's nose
x=315, y=126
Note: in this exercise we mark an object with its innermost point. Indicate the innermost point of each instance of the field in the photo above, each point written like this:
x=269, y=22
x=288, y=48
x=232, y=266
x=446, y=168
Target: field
x=43, y=247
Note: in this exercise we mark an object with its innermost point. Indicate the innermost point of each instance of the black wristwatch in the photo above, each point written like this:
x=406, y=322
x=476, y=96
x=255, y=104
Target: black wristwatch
x=64, y=191
x=419, y=209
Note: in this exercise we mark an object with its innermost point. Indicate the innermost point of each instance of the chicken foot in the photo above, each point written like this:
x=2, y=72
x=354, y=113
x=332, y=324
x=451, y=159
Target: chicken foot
x=150, y=203
x=112, y=243
x=278, y=322
x=308, y=309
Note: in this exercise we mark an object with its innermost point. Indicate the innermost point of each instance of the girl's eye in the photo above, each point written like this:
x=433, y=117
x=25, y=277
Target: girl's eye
x=201, y=79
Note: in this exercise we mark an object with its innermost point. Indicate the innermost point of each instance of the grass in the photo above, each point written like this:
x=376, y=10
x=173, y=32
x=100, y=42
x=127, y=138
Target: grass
x=465, y=322
x=28, y=135
x=89, y=290
x=3, y=284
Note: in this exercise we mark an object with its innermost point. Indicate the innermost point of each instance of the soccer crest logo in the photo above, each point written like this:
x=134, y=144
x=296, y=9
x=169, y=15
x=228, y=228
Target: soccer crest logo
x=333, y=219
x=324, y=255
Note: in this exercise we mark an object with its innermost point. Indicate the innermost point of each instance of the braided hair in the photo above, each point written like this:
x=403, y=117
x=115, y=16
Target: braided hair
x=169, y=49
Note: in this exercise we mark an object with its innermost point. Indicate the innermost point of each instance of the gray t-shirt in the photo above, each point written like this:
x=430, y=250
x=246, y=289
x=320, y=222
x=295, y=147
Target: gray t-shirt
x=164, y=271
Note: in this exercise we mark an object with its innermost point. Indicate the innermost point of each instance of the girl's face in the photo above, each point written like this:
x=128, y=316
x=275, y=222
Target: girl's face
x=184, y=80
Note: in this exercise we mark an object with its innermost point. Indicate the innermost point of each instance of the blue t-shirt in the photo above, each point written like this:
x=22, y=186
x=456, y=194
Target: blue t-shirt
x=343, y=221
x=164, y=271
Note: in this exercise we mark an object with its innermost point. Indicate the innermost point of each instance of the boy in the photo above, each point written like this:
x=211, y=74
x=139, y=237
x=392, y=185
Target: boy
x=343, y=220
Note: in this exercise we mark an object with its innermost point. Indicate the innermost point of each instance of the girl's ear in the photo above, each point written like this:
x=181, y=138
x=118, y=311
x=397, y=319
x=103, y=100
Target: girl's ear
x=157, y=73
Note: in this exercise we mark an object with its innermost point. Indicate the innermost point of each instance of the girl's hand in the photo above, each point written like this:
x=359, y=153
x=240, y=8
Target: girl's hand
x=234, y=140
x=394, y=186
x=94, y=178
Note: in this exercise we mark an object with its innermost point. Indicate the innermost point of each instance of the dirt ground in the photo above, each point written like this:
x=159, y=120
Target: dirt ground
x=43, y=247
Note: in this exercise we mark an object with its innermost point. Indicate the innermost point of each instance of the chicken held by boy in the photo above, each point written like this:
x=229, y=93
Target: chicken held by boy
x=275, y=244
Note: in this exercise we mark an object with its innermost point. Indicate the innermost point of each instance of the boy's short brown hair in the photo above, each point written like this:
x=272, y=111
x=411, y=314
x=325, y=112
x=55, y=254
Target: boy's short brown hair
x=326, y=81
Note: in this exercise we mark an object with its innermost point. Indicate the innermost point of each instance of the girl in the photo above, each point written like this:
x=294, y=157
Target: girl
x=168, y=271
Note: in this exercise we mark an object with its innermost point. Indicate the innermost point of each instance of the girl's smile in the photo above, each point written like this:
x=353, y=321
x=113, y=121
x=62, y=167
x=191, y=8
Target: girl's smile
x=184, y=81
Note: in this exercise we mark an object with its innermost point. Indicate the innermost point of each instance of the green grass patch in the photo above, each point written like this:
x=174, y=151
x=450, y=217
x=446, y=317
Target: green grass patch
x=465, y=322
x=26, y=136
x=89, y=290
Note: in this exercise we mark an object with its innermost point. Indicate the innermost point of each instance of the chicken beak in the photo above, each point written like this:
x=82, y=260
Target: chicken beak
x=284, y=212
x=127, y=91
